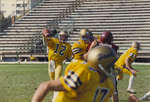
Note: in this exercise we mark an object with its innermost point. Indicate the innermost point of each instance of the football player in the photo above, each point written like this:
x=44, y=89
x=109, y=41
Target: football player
x=79, y=48
x=85, y=82
x=32, y=58
x=133, y=98
x=59, y=50
x=123, y=64
x=146, y=97
x=105, y=38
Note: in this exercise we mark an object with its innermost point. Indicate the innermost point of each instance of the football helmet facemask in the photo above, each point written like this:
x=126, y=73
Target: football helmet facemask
x=86, y=35
x=63, y=36
x=136, y=45
x=102, y=57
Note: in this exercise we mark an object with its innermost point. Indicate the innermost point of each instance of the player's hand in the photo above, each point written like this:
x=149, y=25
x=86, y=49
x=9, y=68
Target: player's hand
x=133, y=72
x=45, y=32
x=94, y=43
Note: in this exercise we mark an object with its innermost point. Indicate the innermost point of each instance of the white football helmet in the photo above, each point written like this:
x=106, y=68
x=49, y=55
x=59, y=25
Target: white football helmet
x=86, y=35
x=102, y=57
x=63, y=36
x=136, y=45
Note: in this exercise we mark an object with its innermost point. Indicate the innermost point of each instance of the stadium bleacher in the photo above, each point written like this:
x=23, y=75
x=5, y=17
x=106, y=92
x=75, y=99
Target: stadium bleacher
x=24, y=35
x=127, y=19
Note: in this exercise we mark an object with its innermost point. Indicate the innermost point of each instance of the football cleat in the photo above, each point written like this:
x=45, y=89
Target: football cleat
x=131, y=91
x=144, y=99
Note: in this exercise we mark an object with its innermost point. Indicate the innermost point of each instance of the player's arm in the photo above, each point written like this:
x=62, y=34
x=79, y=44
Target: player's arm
x=93, y=44
x=45, y=38
x=46, y=35
x=45, y=87
x=128, y=65
x=77, y=50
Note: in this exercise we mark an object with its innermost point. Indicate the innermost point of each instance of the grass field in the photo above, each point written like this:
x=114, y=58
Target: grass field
x=19, y=81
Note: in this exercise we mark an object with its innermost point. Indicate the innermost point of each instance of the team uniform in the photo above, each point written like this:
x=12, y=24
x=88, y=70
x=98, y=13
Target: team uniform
x=113, y=46
x=110, y=45
x=131, y=53
x=78, y=81
x=79, y=48
x=100, y=42
x=32, y=58
x=98, y=37
x=58, y=52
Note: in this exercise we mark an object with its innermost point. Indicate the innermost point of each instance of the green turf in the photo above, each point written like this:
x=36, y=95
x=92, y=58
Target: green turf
x=19, y=81
x=141, y=84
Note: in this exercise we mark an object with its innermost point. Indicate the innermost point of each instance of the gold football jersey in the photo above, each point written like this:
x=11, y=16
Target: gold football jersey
x=58, y=51
x=84, y=84
x=131, y=53
x=79, y=48
x=98, y=37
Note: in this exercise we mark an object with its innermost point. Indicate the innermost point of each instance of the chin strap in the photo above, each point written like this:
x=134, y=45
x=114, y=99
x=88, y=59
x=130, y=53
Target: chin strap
x=106, y=73
x=111, y=75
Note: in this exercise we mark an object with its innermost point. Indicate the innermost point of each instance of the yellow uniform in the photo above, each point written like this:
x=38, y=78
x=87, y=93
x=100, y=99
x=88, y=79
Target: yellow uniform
x=84, y=84
x=58, y=52
x=32, y=58
x=98, y=37
x=131, y=54
x=79, y=48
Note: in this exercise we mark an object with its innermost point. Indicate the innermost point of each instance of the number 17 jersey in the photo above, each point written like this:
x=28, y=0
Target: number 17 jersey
x=83, y=84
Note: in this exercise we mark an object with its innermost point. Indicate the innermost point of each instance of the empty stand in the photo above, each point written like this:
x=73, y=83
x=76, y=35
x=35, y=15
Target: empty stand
x=128, y=20
x=24, y=36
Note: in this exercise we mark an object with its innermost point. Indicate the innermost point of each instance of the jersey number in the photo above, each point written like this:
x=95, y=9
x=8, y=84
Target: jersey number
x=100, y=94
x=62, y=49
